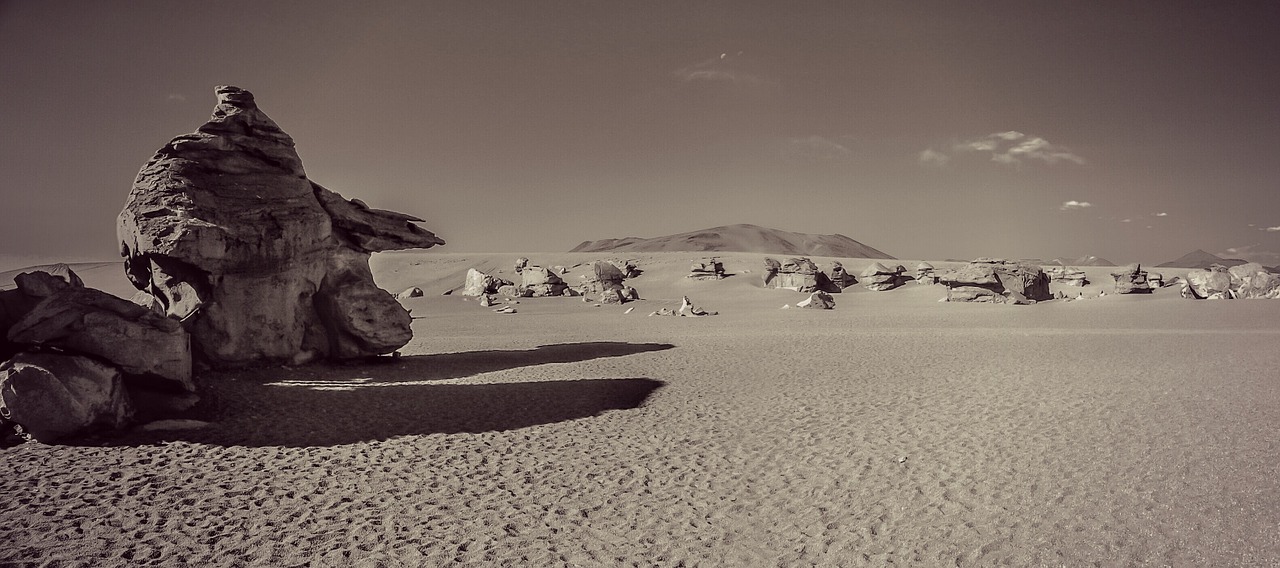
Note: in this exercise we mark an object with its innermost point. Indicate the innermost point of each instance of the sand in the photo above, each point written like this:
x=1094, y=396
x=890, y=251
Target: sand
x=892, y=430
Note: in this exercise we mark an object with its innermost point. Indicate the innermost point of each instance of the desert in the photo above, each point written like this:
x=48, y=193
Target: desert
x=594, y=284
x=892, y=429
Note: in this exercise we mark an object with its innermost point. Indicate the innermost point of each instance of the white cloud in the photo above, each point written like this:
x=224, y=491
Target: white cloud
x=721, y=68
x=931, y=157
x=1126, y=220
x=1160, y=214
x=1013, y=148
x=1253, y=253
x=813, y=149
x=1072, y=205
x=1271, y=229
x=176, y=97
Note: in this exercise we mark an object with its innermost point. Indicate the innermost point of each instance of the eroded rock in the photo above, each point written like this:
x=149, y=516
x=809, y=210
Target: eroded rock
x=53, y=396
x=263, y=266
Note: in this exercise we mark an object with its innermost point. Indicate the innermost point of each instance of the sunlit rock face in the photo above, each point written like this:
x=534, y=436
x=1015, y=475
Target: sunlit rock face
x=224, y=229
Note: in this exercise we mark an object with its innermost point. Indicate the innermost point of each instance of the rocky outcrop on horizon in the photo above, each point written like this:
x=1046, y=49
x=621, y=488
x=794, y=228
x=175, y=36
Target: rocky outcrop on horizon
x=879, y=277
x=799, y=274
x=740, y=238
x=997, y=281
x=262, y=265
x=1244, y=281
x=1131, y=279
x=1068, y=276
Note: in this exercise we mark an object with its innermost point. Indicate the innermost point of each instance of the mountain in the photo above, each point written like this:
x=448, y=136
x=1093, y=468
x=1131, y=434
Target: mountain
x=1082, y=261
x=740, y=238
x=1200, y=259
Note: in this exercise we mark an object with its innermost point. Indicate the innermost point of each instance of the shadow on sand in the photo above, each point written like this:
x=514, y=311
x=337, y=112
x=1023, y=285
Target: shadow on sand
x=330, y=405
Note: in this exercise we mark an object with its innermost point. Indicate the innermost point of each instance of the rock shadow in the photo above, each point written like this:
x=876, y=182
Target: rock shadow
x=372, y=401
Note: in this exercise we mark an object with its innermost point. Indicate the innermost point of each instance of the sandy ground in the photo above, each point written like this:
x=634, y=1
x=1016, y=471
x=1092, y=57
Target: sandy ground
x=893, y=430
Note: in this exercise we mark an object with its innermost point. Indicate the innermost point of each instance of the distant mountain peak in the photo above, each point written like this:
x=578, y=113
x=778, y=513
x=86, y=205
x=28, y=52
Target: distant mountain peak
x=1200, y=259
x=742, y=237
x=1089, y=260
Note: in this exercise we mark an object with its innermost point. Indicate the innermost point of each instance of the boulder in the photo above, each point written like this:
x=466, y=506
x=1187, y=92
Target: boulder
x=86, y=321
x=1254, y=281
x=538, y=282
x=878, y=277
x=1068, y=276
x=53, y=396
x=261, y=264
x=840, y=278
x=411, y=292
x=601, y=277
x=627, y=267
x=817, y=301
x=925, y=274
x=1155, y=280
x=521, y=263
x=613, y=296
x=707, y=269
x=1131, y=279
x=1213, y=283
x=479, y=283
x=997, y=281
x=799, y=274
x=688, y=309
x=29, y=289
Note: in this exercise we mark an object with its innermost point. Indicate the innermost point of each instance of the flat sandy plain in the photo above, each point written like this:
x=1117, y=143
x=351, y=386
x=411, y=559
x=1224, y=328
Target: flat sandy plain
x=891, y=431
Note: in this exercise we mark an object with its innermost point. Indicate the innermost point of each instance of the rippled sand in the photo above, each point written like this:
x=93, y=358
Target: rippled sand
x=893, y=430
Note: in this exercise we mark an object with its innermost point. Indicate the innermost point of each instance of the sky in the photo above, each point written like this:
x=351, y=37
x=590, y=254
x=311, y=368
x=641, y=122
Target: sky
x=1134, y=131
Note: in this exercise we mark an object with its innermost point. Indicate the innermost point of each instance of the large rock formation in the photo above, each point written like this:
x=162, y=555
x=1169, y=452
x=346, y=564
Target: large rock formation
x=479, y=283
x=261, y=264
x=54, y=396
x=840, y=278
x=1131, y=279
x=537, y=281
x=1068, y=276
x=706, y=269
x=925, y=274
x=602, y=278
x=799, y=274
x=1245, y=281
x=878, y=277
x=998, y=281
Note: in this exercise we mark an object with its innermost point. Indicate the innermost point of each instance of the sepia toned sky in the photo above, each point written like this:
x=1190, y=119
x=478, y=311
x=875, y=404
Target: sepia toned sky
x=1135, y=131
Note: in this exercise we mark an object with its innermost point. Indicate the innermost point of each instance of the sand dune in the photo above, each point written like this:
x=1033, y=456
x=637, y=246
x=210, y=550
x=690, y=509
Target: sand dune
x=893, y=430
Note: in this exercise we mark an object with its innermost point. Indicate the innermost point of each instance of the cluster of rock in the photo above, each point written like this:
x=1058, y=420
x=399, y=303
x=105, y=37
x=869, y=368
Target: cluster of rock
x=1068, y=276
x=478, y=283
x=224, y=232
x=1245, y=281
x=925, y=274
x=879, y=277
x=1131, y=279
x=997, y=281
x=707, y=269
x=79, y=359
x=603, y=280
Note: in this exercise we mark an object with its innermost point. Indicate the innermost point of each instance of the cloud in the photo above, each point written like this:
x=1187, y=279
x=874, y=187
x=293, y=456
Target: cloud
x=1253, y=253
x=1160, y=214
x=1126, y=220
x=1073, y=205
x=934, y=158
x=1271, y=229
x=1012, y=148
x=723, y=68
x=813, y=149
x=176, y=97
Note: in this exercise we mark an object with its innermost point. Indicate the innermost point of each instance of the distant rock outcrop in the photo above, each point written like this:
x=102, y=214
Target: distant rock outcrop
x=997, y=281
x=925, y=274
x=879, y=277
x=479, y=283
x=261, y=264
x=1245, y=281
x=1131, y=279
x=740, y=238
x=537, y=281
x=1068, y=276
x=817, y=301
x=707, y=269
x=602, y=278
x=799, y=274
